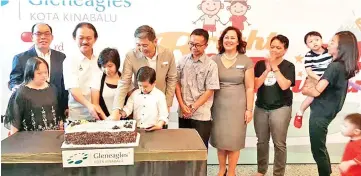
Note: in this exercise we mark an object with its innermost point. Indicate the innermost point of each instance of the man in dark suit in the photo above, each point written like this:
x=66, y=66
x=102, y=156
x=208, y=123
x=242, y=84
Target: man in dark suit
x=42, y=38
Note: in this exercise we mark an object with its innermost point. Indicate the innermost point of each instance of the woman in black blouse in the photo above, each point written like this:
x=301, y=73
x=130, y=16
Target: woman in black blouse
x=34, y=106
x=273, y=79
x=330, y=93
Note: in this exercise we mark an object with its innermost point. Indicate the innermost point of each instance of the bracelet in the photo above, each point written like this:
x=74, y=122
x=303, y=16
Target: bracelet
x=249, y=110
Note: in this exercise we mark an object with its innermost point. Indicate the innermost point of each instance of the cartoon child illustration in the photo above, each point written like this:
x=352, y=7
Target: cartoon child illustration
x=358, y=23
x=238, y=9
x=210, y=8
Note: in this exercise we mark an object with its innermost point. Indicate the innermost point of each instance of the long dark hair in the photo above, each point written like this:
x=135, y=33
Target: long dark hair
x=241, y=47
x=348, y=52
x=31, y=65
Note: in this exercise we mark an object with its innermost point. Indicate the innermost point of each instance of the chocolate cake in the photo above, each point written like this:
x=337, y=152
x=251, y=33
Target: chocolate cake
x=100, y=132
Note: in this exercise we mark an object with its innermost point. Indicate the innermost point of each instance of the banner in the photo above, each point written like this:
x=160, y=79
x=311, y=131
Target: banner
x=174, y=20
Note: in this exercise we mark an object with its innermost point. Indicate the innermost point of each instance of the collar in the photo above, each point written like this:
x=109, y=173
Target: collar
x=39, y=53
x=202, y=58
x=315, y=54
x=79, y=55
x=150, y=93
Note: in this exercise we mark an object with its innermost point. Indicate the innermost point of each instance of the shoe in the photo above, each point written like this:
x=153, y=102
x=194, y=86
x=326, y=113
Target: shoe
x=298, y=121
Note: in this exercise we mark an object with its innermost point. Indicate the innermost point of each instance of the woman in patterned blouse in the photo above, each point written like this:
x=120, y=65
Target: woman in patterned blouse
x=34, y=106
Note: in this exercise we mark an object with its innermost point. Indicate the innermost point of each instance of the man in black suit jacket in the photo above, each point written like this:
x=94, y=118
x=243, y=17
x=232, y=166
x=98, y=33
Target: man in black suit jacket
x=42, y=38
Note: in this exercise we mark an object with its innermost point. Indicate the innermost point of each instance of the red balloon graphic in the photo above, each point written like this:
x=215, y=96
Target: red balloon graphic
x=26, y=36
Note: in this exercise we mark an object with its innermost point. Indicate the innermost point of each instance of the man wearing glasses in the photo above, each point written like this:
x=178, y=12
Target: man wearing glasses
x=42, y=36
x=197, y=80
x=146, y=53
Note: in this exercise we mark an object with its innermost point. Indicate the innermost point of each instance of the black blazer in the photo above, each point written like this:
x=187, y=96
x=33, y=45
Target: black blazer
x=56, y=74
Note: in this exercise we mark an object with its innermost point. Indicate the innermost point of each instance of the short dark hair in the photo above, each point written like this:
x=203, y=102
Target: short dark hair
x=146, y=74
x=201, y=32
x=31, y=65
x=33, y=27
x=348, y=52
x=355, y=119
x=312, y=33
x=283, y=39
x=241, y=48
x=85, y=24
x=109, y=55
x=145, y=31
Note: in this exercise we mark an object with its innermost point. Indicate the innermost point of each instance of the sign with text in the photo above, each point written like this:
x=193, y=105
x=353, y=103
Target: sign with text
x=98, y=157
x=118, y=19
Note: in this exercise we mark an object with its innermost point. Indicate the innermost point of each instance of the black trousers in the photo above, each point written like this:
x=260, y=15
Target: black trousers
x=202, y=127
x=318, y=129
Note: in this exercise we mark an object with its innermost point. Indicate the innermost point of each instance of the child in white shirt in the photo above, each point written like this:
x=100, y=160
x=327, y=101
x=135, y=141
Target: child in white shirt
x=148, y=103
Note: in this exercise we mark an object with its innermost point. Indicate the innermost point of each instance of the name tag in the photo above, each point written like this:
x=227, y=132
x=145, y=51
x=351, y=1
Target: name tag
x=239, y=66
x=165, y=63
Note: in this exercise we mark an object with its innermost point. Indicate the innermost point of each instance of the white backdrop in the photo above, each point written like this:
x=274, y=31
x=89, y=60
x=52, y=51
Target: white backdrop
x=116, y=21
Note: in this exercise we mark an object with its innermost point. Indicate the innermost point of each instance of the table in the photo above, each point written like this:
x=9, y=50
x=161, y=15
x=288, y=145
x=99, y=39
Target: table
x=171, y=152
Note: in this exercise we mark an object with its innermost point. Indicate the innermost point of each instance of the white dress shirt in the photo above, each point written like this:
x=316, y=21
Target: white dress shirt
x=78, y=73
x=153, y=61
x=46, y=57
x=148, y=109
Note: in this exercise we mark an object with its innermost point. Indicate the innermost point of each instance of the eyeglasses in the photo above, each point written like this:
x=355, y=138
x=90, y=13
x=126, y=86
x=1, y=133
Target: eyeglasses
x=46, y=34
x=195, y=45
x=142, y=46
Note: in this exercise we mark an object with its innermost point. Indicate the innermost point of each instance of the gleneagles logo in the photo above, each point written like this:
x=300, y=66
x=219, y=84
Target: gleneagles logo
x=91, y=10
x=4, y=2
x=77, y=158
x=98, y=5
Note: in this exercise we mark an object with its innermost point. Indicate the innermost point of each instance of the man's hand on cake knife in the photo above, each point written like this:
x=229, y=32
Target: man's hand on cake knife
x=93, y=112
x=115, y=115
x=100, y=112
x=122, y=114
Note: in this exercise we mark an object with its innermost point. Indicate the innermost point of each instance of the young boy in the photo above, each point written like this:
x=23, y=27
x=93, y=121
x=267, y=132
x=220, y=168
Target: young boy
x=316, y=62
x=351, y=160
x=148, y=102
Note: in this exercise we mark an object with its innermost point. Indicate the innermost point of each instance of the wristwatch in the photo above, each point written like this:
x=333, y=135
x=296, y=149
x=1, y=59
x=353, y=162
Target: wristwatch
x=192, y=108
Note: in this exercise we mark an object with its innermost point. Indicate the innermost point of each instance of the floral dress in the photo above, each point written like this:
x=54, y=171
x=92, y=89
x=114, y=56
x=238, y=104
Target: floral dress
x=33, y=109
